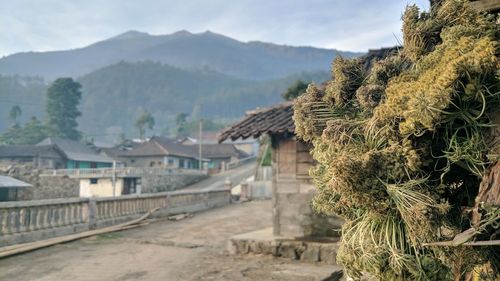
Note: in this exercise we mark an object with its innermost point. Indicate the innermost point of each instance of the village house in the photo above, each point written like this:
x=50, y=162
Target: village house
x=250, y=146
x=9, y=188
x=292, y=187
x=219, y=155
x=109, y=183
x=162, y=152
x=38, y=156
x=78, y=155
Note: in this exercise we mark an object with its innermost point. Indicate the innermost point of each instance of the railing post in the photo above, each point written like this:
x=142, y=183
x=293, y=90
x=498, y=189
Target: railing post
x=244, y=195
x=92, y=213
x=227, y=184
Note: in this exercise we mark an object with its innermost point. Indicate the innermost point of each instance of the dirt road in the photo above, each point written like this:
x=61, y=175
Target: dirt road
x=185, y=250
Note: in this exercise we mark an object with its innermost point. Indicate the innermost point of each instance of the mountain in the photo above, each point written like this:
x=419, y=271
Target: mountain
x=207, y=50
x=114, y=96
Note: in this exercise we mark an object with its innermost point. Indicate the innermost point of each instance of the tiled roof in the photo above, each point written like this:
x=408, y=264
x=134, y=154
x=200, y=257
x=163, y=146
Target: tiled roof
x=76, y=151
x=160, y=146
x=14, y=151
x=273, y=120
x=222, y=150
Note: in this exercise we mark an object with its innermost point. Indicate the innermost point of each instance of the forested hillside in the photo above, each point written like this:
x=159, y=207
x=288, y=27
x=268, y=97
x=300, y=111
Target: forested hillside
x=115, y=95
x=205, y=75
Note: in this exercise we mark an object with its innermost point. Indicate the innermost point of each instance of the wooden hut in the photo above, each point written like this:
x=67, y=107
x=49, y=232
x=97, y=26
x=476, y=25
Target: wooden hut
x=292, y=186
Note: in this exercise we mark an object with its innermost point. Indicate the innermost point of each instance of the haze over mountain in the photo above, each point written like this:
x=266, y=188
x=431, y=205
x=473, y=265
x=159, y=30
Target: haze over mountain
x=206, y=75
x=208, y=50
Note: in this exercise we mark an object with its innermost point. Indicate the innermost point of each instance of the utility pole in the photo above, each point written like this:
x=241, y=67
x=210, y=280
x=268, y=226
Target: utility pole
x=200, y=163
x=113, y=178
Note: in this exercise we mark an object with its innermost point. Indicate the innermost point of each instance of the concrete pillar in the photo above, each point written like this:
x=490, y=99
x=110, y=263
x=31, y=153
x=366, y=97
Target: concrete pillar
x=227, y=184
x=244, y=196
x=92, y=214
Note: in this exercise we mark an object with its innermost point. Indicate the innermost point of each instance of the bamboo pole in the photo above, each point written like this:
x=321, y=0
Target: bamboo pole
x=453, y=244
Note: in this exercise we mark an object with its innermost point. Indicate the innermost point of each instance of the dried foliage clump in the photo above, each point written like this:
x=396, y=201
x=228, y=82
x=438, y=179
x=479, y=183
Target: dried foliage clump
x=401, y=148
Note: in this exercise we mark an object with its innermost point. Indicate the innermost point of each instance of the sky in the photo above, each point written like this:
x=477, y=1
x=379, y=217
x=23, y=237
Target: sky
x=352, y=25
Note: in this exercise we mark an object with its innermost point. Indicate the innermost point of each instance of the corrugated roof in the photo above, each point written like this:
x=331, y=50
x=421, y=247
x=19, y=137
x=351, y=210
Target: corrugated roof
x=75, y=150
x=7, y=182
x=273, y=120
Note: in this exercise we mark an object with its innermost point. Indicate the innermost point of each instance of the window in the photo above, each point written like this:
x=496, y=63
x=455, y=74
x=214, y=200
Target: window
x=132, y=160
x=170, y=161
x=181, y=163
x=151, y=164
x=93, y=181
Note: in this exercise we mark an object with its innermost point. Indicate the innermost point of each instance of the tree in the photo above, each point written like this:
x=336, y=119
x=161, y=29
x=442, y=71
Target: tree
x=295, y=90
x=11, y=135
x=63, y=97
x=33, y=132
x=180, y=121
x=145, y=121
x=14, y=113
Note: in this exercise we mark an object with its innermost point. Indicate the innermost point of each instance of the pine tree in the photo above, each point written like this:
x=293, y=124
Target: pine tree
x=63, y=97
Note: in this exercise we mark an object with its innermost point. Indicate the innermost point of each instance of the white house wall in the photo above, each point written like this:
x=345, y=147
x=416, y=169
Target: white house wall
x=103, y=187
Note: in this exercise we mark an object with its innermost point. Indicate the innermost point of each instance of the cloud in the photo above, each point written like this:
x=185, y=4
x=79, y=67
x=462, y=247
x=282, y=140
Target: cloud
x=357, y=25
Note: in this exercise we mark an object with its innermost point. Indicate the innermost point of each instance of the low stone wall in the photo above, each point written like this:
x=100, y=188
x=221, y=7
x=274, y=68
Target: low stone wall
x=63, y=184
x=263, y=242
x=162, y=183
x=26, y=221
x=258, y=190
x=42, y=187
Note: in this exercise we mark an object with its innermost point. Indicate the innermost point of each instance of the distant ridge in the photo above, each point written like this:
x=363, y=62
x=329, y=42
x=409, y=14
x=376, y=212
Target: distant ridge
x=131, y=34
x=208, y=50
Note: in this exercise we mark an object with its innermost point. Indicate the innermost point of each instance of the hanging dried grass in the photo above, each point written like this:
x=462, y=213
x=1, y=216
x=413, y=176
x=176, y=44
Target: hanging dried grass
x=397, y=147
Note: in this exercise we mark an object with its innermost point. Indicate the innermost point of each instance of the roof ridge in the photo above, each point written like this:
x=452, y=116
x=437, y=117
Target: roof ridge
x=158, y=144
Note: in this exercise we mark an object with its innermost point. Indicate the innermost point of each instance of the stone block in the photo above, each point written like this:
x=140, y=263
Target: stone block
x=311, y=253
x=328, y=253
x=291, y=250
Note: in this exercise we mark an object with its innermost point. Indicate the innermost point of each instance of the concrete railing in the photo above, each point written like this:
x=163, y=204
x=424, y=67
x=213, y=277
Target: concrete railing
x=235, y=164
x=26, y=221
x=120, y=172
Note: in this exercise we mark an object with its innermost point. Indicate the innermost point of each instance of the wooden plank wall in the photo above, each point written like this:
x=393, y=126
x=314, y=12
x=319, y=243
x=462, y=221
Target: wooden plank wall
x=287, y=151
x=292, y=157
